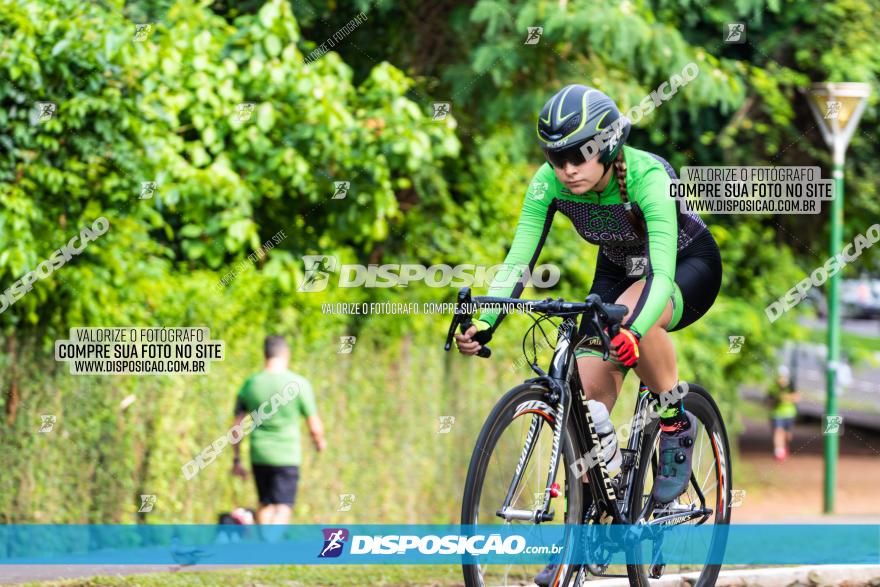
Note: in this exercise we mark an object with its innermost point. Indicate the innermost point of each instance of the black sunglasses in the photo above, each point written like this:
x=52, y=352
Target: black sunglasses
x=573, y=154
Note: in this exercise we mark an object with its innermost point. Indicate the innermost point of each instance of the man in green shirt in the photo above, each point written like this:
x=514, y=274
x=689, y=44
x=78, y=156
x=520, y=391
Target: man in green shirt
x=276, y=398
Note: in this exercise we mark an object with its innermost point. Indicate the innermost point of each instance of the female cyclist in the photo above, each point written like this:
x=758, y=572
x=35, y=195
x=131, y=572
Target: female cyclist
x=620, y=200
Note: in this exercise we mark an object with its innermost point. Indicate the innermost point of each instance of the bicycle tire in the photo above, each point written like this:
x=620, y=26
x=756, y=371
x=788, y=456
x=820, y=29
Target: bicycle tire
x=699, y=403
x=495, y=424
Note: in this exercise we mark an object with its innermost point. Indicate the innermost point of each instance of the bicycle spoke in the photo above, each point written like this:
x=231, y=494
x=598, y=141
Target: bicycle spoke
x=505, y=483
x=700, y=447
x=527, y=472
x=710, y=488
x=524, y=482
x=706, y=480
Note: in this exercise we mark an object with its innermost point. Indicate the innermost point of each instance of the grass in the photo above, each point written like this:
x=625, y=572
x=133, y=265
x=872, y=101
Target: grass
x=290, y=576
x=848, y=340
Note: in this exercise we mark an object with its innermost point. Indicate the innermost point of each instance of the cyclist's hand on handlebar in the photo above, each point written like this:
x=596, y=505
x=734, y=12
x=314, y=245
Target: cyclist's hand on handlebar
x=465, y=342
x=626, y=347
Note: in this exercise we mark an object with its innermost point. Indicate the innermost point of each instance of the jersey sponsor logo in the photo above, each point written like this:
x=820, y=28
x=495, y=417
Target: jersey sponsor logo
x=607, y=238
x=603, y=219
x=598, y=223
x=538, y=189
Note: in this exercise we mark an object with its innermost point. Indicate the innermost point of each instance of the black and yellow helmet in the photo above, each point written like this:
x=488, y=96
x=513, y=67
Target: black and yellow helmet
x=575, y=115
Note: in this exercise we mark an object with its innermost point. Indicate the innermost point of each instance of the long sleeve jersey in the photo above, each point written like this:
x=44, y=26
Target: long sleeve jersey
x=600, y=218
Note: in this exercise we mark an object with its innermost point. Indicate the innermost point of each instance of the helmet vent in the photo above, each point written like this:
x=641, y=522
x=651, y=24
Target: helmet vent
x=570, y=125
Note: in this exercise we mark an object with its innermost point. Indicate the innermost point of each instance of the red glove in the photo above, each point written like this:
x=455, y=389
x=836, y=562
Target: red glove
x=626, y=343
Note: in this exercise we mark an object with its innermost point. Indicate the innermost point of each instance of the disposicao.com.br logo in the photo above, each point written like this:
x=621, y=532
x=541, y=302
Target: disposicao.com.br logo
x=449, y=544
x=334, y=541
x=320, y=268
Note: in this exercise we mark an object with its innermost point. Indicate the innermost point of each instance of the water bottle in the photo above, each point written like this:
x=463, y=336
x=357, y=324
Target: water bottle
x=607, y=438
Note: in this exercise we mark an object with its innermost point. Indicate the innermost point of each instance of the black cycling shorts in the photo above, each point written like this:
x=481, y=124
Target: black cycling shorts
x=697, y=274
x=276, y=485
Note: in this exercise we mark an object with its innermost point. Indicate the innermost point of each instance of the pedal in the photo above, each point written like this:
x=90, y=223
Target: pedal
x=656, y=571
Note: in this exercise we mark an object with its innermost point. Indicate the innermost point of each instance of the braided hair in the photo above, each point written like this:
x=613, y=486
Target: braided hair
x=620, y=171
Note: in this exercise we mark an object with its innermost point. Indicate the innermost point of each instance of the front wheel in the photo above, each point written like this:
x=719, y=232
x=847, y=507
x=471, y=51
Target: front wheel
x=518, y=435
x=709, y=489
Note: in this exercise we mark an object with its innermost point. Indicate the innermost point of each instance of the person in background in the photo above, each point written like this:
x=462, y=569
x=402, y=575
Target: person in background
x=782, y=400
x=282, y=397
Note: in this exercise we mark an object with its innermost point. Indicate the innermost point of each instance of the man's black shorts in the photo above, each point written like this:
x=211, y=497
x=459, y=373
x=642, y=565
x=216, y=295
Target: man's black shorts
x=276, y=485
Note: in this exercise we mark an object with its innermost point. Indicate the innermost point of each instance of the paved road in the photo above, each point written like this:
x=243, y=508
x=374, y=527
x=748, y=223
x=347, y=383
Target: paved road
x=791, y=491
x=861, y=327
x=859, y=388
x=826, y=575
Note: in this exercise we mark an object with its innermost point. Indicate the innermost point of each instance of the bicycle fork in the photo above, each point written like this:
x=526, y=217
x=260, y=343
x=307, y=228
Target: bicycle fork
x=556, y=383
x=542, y=513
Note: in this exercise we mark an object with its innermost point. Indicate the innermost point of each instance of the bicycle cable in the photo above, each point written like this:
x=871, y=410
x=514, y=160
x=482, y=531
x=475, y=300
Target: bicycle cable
x=537, y=325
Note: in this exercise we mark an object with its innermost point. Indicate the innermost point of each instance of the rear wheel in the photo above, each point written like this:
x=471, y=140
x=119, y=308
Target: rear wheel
x=492, y=468
x=711, y=476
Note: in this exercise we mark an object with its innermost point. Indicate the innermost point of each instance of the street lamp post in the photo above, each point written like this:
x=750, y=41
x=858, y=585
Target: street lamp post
x=837, y=108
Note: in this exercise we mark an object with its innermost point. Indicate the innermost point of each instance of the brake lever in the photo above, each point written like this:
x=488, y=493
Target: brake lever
x=451, y=333
x=464, y=297
x=463, y=319
x=603, y=336
x=614, y=330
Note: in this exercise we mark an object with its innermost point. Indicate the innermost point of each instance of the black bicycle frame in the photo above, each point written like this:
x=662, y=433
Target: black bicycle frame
x=564, y=384
x=564, y=370
x=563, y=381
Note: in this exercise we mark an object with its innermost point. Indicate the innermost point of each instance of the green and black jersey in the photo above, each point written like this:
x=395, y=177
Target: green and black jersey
x=600, y=218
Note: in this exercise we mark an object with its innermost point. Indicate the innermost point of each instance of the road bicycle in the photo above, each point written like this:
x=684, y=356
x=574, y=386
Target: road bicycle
x=527, y=452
